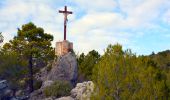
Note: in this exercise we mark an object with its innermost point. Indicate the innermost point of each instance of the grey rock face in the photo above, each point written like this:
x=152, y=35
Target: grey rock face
x=5, y=91
x=37, y=95
x=64, y=69
x=3, y=84
x=42, y=75
x=83, y=91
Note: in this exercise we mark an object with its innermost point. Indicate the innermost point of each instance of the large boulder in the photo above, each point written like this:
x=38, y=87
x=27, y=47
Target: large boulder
x=65, y=68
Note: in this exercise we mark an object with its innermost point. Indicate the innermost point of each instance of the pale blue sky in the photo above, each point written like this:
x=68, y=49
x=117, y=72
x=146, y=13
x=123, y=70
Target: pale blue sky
x=141, y=25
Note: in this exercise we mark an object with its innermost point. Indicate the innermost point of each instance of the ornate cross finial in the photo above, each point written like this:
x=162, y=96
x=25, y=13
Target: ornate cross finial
x=66, y=13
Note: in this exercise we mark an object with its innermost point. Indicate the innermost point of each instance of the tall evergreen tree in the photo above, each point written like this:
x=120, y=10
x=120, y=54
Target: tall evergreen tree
x=121, y=75
x=31, y=44
x=87, y=62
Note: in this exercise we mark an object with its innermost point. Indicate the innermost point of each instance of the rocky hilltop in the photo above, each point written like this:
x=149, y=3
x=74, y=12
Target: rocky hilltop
x=63, y=69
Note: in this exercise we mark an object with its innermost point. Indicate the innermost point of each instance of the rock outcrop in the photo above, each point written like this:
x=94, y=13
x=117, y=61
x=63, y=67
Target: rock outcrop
x=5, y=91
x=42, y=75
x=83, y=91
x=64, y=69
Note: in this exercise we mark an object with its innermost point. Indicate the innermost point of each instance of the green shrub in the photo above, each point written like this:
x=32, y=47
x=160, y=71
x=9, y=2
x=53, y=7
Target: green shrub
x=37, y=84
x=58, y=88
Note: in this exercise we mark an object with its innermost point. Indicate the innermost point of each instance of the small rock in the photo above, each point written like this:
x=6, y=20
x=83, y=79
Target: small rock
x=50, y=98
x=19, y=93
x=3, y=84
x=47, y=83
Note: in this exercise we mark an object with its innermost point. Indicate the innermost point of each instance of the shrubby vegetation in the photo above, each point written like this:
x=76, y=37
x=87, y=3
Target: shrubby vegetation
x=86, y=64
x=58, y=89
x=37, y=84
x=121, y=74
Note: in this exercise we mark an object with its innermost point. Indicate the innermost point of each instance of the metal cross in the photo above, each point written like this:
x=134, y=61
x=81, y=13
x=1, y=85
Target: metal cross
x=66, y=13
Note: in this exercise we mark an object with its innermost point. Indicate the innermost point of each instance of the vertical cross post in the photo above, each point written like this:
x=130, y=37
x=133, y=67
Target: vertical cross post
x=66, y=13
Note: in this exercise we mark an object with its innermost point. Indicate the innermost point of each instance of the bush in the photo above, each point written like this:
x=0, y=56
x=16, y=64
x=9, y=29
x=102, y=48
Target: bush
x=58, y=89
x=37, y=84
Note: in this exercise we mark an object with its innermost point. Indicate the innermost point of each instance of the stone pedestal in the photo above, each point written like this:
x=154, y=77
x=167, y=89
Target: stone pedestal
x=63, y=47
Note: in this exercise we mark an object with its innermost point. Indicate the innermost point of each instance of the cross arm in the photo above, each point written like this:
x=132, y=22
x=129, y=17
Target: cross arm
x=67, y=12
x=61, y=11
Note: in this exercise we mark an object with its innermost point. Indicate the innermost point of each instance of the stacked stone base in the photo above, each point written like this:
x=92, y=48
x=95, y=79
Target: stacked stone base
x=63, y=47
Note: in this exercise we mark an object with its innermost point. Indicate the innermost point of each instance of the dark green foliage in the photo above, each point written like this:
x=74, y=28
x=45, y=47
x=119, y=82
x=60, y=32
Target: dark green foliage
x=86, y=64
x=162, y=59
x=9, y=64
x=121, y=75
x=58, y=89
x=37, y=84
x=12, y=69
x=33, y=46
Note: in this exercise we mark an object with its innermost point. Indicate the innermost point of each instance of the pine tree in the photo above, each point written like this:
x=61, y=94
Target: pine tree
x=121, y=75
x=31, y=44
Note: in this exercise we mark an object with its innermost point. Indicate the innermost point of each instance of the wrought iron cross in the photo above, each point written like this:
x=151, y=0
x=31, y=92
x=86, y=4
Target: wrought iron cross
x=66, y=13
